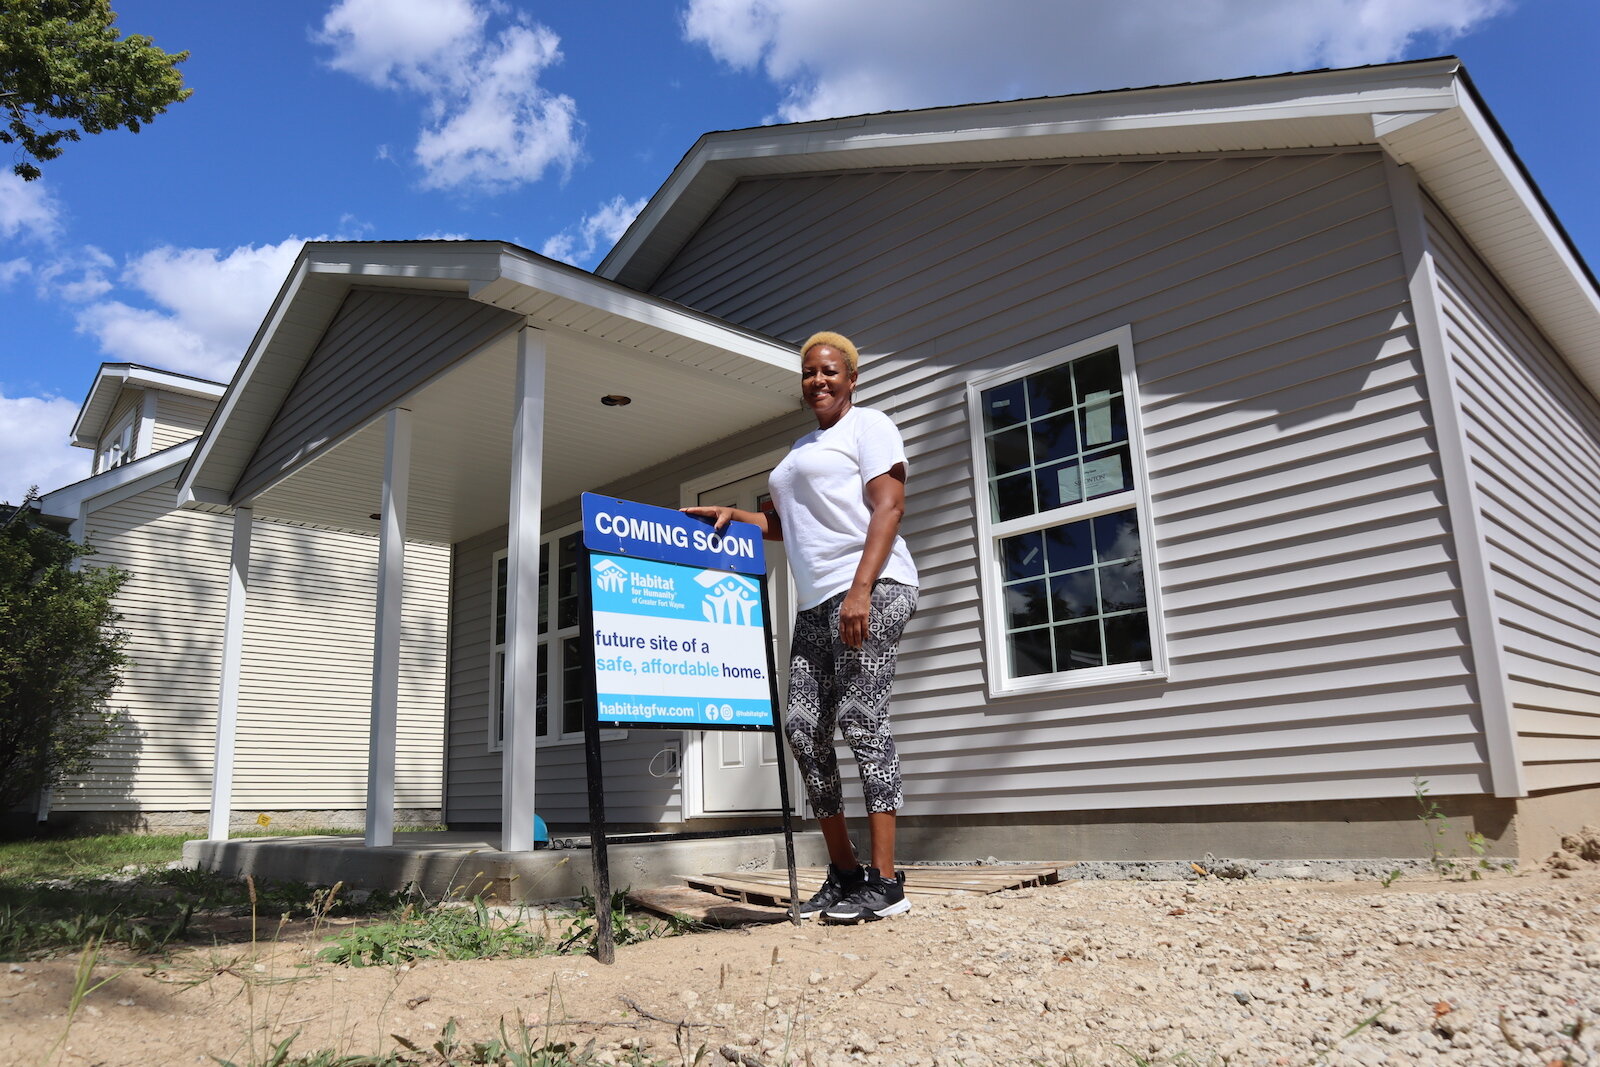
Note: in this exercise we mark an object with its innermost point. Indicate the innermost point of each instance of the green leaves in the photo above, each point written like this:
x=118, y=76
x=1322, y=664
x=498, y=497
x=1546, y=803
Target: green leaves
x=65, y=70
x=60, y=652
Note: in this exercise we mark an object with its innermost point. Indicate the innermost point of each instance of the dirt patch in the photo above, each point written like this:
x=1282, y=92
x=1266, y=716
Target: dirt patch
x=1506, y=970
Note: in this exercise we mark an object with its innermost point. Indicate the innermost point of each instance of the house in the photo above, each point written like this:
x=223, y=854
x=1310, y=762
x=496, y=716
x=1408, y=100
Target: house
x=305, y=687
x=1253, y=439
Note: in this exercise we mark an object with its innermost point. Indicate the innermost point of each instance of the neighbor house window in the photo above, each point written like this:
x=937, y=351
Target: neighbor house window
x=118, y=447
x=558, y=601
x=1069, y=595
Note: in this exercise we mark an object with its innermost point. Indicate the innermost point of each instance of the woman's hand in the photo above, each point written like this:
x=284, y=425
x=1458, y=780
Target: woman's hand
x=854, y=615
x=717, y=515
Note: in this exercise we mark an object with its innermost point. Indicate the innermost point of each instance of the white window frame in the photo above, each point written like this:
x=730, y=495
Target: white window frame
x=990, y=532
x=108, y=458
x=555, y=676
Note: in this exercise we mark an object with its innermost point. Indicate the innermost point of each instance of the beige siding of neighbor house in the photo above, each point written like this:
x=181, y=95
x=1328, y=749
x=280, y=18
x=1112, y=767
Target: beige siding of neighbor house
x=1533, y=447
x=379, y=347
x=1314, y=627
x=306, y=674
x=633, y=794
x=179, y=418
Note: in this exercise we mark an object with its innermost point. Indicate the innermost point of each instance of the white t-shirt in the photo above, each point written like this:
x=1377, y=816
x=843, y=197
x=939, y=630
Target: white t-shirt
x=819, y=490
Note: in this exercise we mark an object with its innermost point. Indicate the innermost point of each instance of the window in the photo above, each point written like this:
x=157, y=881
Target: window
x=1069, y=595
x=558, y=600
x=118, y=448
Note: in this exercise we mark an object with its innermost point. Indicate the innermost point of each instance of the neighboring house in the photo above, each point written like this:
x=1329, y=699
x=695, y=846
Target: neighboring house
x=1253, y=442
x=306, y=692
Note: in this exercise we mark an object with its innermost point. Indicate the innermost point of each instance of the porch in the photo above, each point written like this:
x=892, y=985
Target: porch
x=473, y=863
x=457, y=394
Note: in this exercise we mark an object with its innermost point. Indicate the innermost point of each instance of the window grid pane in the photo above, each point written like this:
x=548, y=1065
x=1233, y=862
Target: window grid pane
x=567, y=582
x=1056, y=437
x=571, y=687
x=1093, y=614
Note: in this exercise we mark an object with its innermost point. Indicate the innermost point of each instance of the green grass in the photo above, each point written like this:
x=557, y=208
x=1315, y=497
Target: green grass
x=471, y=932
x=99, y=855
x=56, y=895
x=150, y=911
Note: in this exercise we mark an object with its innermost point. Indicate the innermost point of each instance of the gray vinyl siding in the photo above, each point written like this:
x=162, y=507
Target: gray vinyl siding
x=305, y=693
x=379, y=347
x=179, y=418
x=1533, y=448
x=633, y=794
x=1315, y=632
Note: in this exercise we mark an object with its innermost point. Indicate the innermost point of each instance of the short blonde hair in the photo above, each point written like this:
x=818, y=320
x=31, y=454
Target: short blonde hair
x=833, y=340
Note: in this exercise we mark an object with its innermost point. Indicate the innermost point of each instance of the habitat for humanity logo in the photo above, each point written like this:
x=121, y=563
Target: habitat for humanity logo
x=610, y=576
x=729, y=598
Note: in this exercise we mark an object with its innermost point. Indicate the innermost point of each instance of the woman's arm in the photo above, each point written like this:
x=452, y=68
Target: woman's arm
x=886, y=500
x=767, y=522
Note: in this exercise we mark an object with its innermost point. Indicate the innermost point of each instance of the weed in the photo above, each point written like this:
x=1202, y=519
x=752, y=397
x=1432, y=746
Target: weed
x=151, y=910
x=1391, y=878
x=471, y=932
x=279, y=1056
x=627, y=927
x=1445, y=862
x=440, y=932
x=83, y=984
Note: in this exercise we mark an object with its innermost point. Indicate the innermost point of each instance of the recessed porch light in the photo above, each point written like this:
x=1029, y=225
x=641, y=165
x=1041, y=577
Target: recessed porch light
x=616, y=400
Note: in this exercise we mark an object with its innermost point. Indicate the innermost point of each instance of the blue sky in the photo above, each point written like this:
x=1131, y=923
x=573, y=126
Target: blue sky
x=548, y=124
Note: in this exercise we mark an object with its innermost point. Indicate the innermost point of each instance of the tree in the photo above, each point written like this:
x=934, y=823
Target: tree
x=65, y=70
x=60, y=652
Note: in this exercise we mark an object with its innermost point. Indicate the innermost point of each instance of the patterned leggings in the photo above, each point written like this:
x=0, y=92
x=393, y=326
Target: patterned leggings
x=830, y=682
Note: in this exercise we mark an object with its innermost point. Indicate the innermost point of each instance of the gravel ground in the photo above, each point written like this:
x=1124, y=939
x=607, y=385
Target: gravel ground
x=1239, y=971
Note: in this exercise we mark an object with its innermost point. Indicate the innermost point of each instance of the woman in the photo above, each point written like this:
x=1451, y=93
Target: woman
x=840, y=494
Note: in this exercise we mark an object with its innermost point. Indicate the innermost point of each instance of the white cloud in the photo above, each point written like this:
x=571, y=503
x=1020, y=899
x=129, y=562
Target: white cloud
x=208, y=304
x=579, y=244
x=76, y=277
x=33, y=445
x=488, y=123
x=12, y=269
x=27, y=209
x=842, y=57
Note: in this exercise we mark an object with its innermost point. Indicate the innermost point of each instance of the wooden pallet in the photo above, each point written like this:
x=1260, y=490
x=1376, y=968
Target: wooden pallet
x=706, y=909
x=771, y=888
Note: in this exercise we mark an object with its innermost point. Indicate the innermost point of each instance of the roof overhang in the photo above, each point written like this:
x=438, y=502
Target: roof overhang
x=1423, y=113
x=597, y=330
x=113, y=378
x=119, y=483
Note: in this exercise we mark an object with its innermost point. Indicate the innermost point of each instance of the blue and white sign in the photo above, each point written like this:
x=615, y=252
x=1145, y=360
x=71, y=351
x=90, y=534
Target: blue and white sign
x=677, y=645
x=627, y=528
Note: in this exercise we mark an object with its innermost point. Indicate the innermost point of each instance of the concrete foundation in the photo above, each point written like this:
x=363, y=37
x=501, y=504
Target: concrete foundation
x=444, y=864
x=1543, y=818
x=1345, y=829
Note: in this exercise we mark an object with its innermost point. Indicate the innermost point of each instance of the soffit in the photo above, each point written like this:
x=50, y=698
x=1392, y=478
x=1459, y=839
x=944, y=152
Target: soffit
x=461, y=436
x=553, y=296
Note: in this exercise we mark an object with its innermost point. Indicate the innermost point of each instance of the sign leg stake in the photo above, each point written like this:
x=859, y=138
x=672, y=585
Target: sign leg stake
x=788, y=824
x=605, y=942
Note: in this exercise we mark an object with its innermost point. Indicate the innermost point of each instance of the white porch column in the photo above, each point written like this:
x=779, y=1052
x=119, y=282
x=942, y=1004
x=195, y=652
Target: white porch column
x=522, y=597
x=386, y=645
x=228, y=690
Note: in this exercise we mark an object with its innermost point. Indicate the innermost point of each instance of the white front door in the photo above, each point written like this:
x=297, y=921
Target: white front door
x=739, y=768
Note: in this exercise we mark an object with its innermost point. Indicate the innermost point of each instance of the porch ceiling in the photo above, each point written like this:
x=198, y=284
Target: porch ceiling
x=461, y=436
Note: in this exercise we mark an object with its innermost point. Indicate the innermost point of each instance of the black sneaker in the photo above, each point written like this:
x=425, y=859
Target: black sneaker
x=876, y=897
x=838, y=885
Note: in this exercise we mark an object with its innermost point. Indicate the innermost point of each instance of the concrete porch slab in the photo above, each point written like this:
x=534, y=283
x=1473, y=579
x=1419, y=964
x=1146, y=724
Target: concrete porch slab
x=466, y=864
